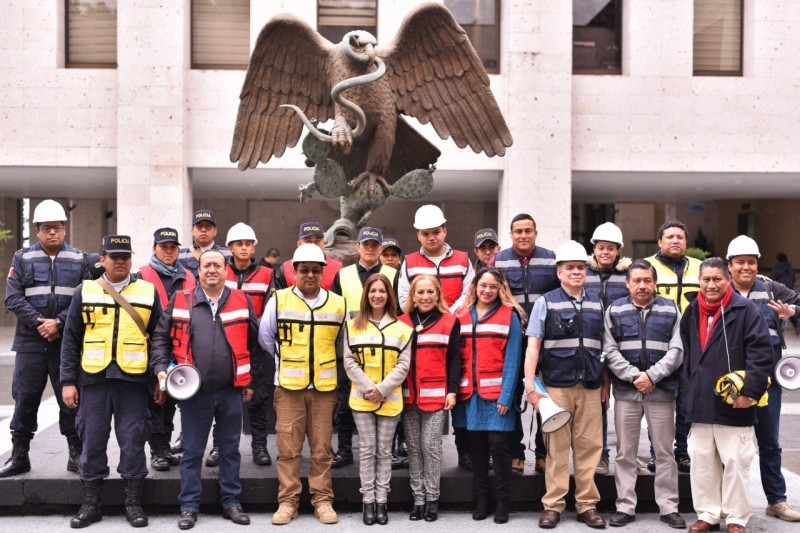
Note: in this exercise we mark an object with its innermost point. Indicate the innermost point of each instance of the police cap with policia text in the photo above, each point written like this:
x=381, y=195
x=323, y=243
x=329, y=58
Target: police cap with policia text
x=204, y=215
x=162, y=235
x=117, y=244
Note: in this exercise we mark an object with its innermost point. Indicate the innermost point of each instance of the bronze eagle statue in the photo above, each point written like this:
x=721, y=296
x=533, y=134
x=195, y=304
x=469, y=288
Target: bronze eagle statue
x=430, y=72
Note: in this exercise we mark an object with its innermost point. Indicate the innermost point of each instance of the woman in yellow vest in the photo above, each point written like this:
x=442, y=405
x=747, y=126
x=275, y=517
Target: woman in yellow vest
x=376, y=358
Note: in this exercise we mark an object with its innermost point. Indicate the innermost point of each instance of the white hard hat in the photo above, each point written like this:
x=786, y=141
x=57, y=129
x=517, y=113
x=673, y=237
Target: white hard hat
x=49, y=211
x=607, y=231
x=309, y=253
x=429, y=216
x=571, y=251
x=742, y=245
x=241, y=232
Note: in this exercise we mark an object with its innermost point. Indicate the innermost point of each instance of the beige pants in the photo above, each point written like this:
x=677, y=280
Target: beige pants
x=584, y=434
x=721, y=457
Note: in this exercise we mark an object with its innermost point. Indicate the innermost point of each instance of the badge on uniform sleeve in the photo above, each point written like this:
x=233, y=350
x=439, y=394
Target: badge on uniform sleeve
x=11, y=272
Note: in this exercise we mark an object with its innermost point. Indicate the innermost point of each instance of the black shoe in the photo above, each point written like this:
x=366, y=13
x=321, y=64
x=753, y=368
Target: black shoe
x=159, y=462
x=236, y=515
x=651, y=464
x=213, y=457
x=418, y=513
x=178, y=446
x=90, y=512
x=133, y=502
x=501, y=513
x=684, y=463
x=187, y=520
x=402, y=449
x=481, y=510
x=673, y=520
x=369, y=514
x=19, y=462
x=432, y=511
x=172, y=459
x=261, y=455
x=381, y=516
x=620, y=519
x=465, y=462
x=342, y=458
x=74, y=448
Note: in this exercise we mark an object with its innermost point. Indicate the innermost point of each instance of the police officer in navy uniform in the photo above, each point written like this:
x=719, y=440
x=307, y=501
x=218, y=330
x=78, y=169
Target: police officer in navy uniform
x=204, y=230
x=39, y=289
x=105, y=372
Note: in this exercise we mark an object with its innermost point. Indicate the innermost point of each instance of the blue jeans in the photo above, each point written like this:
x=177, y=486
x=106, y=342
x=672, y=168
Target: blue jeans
x=769, y=448
x=197, y=414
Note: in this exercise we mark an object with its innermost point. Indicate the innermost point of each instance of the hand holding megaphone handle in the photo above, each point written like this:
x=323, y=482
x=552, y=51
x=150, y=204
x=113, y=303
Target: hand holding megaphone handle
x=162, y=381
x=536, y=393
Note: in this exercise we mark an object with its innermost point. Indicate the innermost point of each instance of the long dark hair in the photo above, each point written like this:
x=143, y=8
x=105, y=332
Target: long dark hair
x=360, y=322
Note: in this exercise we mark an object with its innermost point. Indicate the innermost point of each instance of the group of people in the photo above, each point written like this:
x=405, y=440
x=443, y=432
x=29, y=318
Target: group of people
x=395, y=344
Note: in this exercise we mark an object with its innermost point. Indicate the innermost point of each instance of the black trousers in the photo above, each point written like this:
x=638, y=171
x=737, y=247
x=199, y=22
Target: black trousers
x=495, y=443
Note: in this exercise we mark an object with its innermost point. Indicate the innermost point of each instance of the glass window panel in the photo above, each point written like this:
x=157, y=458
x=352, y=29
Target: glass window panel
x=718, y=37
x=91, y=33
x=220, y=34
x=481, y=20
x=597, y=36
x=337, y=17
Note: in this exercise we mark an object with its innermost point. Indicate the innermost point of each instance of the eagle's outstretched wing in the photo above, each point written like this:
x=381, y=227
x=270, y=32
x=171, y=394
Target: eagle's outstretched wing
x=437, y=77
x=289, y=65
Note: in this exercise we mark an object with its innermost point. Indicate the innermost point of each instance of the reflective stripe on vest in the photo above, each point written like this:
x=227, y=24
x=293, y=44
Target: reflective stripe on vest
x=483, y=350
x=235, y=318
x=450, y=272
x=105, y=320
x=307, y=340
x=255, y=285
x=377, y=351
x=149, y=274
x=668, y=285
x=426, y=383
x=528, y=284
x=643, y=345
x=572, y=347
x=328, y=273
x=352, y=289
x=760, y=295
x=613, y=289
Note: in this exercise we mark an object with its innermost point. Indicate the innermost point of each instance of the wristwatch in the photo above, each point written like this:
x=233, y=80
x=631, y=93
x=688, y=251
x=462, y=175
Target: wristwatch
x=59, y=324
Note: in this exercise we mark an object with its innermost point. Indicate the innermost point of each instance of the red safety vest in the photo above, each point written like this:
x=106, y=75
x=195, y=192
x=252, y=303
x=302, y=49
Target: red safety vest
x=235, y=317
x=426, y=383
x=256, y=286
x=328, y=273
x=450, y=272
x=487, y=339
x=150, y=274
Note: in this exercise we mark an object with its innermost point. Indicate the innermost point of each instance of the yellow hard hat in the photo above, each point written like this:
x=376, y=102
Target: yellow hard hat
x=729, y=386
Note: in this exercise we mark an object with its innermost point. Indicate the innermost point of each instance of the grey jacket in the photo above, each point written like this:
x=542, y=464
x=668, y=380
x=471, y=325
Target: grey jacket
x=625, y=371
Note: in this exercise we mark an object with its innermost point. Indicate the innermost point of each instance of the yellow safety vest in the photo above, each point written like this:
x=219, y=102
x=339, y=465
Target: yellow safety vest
x=308, y=335
x=377, y=351
x=352, y=289
x=104, y=319
x=668, y=281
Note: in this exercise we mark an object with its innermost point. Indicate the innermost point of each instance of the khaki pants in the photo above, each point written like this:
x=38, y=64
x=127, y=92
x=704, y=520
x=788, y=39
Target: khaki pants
x=300, y=413
x=584, y=434
x=720, y=476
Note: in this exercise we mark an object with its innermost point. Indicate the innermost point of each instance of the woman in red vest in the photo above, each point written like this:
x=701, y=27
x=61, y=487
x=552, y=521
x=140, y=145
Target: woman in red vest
x=377, y=353
x=429, y=390
x=491, y=354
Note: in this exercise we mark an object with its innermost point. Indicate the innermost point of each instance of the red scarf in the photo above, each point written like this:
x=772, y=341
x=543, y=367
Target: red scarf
x=713, y=310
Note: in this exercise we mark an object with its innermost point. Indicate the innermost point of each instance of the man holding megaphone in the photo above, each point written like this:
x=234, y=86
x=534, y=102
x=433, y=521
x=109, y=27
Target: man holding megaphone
x=776, y=302
x=565, y=335
x=215, y=329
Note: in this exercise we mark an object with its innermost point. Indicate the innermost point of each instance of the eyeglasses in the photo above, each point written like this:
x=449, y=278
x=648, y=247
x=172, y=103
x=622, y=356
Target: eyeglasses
x=120, y=257
x=47, y=229
x=487, y=287
x=303, y=271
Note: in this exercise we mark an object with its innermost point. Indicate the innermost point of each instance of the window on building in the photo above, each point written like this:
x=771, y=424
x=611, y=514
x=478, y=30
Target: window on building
x=337, y=17
x=718, y=28
x=91, y=33
x=481, y=20
x=220, y=34
x=597, y=36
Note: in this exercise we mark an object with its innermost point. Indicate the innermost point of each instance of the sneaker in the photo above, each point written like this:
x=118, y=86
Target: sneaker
x=325, y=513
x=784, y=511
x=518, y=466
x=602, y=466
x=284, y=515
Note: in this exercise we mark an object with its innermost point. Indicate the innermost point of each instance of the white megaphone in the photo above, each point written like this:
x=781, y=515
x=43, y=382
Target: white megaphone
x=553, y=417
x=182, y=381
x=787, y=372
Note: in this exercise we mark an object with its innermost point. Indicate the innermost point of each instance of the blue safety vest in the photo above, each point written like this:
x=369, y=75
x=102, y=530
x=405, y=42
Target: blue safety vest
x=760, y=294
x=611, y=289
x=530, y=283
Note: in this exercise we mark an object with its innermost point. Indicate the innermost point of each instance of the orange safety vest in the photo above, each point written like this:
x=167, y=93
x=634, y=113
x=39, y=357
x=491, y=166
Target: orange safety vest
x=150, y=274
x=450, y=272
x=235, y=318
x=256, y=286
x=483, y=349
x=328, y=273
x=426, y=383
